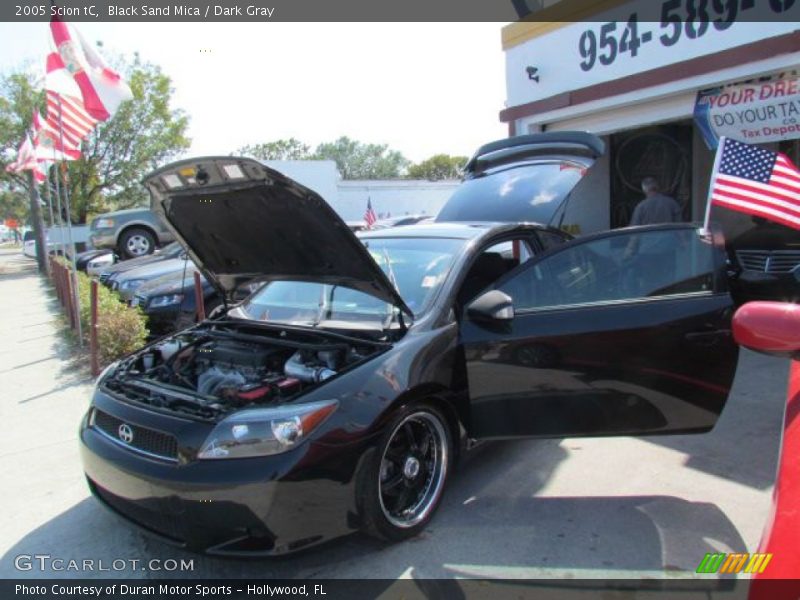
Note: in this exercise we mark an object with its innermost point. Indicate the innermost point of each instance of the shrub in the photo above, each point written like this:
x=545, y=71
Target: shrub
x=121, y=329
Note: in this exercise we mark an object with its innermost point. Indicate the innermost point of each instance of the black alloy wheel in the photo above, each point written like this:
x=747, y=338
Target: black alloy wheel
x=408, y=474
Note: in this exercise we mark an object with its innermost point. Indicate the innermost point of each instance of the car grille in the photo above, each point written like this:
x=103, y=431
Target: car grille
x=155, y=519
x=147, y=441
x=104, y=277
x=765, y=261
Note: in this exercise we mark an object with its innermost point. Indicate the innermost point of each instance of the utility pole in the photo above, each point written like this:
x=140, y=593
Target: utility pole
x=38, y=225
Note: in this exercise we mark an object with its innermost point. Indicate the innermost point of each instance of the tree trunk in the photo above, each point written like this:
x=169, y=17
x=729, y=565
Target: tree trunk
x=38, y=225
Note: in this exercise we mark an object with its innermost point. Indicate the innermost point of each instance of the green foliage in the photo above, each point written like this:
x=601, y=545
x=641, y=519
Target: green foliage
x=143, y=134
x=121, y=329
x=13, y=205
x=438, y=167
x=357, y=160
x=291, y=149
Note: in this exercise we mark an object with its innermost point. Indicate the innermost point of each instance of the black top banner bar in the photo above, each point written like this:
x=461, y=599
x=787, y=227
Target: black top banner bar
x=701, y=11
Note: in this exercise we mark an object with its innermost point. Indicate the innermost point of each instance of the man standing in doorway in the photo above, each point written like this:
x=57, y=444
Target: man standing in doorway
x=656, y=207
x=653, y=257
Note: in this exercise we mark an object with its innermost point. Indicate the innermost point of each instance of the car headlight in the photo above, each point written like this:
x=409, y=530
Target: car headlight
x=131, y=284
x=167, y=300
x=104, y=223
x=265, y=431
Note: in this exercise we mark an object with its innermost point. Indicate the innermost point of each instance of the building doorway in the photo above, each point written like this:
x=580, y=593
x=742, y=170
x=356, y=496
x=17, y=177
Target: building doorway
x=661, y=151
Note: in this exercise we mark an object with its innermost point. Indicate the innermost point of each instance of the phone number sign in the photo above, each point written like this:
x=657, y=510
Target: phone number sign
x=639, y=36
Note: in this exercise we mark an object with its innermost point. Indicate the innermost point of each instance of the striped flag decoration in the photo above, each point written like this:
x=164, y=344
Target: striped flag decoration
x=76, y=124
x=47, y=142
x=369, y=215
x=756, y=181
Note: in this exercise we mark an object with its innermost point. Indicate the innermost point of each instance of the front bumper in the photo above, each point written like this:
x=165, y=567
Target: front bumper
x=258, y=506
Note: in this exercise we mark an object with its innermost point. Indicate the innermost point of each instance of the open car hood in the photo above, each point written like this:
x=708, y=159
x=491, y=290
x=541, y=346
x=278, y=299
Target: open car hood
x=241, y=221
x=527, y=178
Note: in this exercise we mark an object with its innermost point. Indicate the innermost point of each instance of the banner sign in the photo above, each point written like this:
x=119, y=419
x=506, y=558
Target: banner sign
x=754, y=112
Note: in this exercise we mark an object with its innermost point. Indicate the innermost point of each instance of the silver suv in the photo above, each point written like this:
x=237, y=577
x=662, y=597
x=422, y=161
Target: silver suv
x=133, y=232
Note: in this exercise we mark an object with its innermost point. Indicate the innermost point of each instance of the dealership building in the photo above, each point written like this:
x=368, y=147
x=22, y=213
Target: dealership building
x=636, y=83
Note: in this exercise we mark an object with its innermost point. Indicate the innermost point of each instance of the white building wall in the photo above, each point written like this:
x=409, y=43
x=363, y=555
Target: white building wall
x=398, y=197
x=318, y=175
x=349, y=198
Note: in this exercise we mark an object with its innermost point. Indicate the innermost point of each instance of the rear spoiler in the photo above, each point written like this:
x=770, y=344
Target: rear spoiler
x=520, y=147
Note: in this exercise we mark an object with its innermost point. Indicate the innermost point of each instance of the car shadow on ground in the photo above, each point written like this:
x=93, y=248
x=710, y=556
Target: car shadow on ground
x=489, y=525
x=745, y=443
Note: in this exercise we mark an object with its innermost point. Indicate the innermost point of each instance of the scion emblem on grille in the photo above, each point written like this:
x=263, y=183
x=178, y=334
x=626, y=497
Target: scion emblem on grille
x=125, y=433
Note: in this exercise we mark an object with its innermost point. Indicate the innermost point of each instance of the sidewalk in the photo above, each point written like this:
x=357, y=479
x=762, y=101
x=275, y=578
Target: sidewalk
x=44, y=398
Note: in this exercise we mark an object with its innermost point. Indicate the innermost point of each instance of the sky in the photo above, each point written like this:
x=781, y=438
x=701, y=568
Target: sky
x=421, y=88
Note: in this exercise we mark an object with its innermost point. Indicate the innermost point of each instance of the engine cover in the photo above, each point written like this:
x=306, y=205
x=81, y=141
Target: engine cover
x=236, y=355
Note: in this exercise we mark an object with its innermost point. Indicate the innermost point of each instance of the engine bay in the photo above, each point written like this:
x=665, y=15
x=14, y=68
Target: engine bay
x=209, y=372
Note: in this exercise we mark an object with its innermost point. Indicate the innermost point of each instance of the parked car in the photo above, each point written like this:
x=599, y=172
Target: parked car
x=29, y=244
x=342, y=393
x=100, y=263
x=104, y=258
x=169, y=301
x=401, y=221
x=53, y=235
x=764, y=257
x=774, y=328
x=128, y=282
x=132, y=233
x=172, y=250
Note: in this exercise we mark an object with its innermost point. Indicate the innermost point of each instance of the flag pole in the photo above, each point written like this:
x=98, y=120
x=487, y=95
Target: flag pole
x=62, y=237
x=76, y=296
x=712, y=183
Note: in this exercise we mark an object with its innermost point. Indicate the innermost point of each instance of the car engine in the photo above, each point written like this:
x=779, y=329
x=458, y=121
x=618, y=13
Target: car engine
x=208, y=374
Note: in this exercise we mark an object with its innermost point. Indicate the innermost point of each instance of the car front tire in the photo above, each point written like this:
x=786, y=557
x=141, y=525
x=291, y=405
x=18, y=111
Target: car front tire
x=136, y=242
x=404, y=478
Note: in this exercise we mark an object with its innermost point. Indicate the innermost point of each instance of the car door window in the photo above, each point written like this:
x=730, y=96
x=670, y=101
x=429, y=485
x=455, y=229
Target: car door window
x=627, y=266
x=491, y=264
x=550, y=240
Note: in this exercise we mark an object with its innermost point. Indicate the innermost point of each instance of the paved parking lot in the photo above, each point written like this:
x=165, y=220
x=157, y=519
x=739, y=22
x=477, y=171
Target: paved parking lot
x=622, y=507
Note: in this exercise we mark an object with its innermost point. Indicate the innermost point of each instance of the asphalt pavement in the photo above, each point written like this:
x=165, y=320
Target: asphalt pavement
x=576, y=508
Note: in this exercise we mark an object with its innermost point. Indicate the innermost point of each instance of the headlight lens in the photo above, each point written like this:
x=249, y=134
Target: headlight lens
x=265, y=431
x=131, y=284
x=165, y=300
x=104, y=223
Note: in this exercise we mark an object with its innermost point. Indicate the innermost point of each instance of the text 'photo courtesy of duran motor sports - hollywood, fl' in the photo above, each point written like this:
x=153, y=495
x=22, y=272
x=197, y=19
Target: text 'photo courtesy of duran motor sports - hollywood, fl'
x=499, y=301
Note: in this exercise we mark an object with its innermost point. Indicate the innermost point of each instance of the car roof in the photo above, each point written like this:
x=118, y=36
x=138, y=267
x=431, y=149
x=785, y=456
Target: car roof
x=457, y=230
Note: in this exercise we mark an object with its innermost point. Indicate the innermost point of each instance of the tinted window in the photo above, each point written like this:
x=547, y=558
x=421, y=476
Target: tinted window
x=490, y=265
x=530, y=193
x=620, y=267
x=550, y=240
x=416, y=267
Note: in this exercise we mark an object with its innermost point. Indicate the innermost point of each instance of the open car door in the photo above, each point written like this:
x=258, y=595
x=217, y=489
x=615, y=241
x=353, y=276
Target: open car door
x=621, y=333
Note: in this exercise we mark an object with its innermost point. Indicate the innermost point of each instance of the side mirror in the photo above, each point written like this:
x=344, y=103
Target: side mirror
x=493, y=306
x=770, y=327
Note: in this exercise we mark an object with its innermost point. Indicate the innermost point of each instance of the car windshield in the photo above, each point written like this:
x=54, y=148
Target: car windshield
x=416, y=267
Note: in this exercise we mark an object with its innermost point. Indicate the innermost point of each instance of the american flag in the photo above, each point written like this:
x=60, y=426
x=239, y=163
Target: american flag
x=369, y=214
x=758, y=182
x=75, y=123
x=26, y=158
